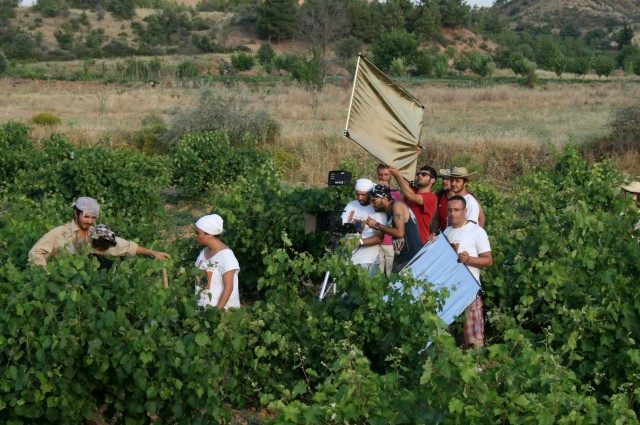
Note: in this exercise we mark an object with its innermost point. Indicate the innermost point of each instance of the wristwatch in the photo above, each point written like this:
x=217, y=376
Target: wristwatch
x=361, y=241
x=377, y=226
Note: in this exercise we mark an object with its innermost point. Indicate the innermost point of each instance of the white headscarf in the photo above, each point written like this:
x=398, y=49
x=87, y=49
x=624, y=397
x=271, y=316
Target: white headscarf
x=364, y=185
x=211, y=224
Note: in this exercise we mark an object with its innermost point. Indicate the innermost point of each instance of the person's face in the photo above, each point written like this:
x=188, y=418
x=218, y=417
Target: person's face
x=423, y=178
x=362, y=197
x=384, y=176
x=458, y=184
x=456, y=213
x=85, y=221
x=446, y=183
x=200, y=236
x=378, y=204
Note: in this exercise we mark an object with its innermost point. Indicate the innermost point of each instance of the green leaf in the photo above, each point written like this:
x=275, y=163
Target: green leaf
x=202, y=339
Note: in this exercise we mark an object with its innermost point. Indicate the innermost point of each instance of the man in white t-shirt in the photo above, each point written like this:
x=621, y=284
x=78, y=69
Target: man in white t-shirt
x=471, y=243
x=367, y=252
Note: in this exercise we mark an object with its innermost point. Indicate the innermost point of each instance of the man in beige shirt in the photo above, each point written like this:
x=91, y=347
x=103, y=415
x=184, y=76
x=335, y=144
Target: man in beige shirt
x=74, y=237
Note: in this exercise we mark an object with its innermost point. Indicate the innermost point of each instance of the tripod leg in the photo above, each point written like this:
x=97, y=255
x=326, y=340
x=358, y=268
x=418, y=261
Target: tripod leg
x=323, y=289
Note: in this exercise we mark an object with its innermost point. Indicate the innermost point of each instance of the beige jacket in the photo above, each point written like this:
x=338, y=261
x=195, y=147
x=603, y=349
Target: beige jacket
x=68, y=237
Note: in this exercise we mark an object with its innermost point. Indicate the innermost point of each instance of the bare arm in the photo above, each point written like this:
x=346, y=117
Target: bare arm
x=408, y=193
x=434, y=227
x=227, y=281
x=481, y=218
x=156, y=254
x=484, y=259
x=399, y=216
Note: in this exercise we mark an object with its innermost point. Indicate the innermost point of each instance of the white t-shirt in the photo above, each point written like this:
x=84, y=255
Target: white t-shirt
x=473, y=208
x=353, y=211
x=222, y=262
x=471, y=238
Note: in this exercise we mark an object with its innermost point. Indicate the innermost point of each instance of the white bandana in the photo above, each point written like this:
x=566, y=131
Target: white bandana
x=211, y=224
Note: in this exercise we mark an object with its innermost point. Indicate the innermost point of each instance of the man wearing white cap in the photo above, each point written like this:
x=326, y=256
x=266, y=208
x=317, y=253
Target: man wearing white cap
x=633, y=188
x=220, y=287
x=74, y=237
x=367, y=253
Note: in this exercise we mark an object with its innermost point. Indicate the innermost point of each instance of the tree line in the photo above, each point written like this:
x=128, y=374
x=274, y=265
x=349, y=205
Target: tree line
x=398, y=34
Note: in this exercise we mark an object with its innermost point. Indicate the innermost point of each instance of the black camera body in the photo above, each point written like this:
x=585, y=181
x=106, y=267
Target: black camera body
x=355, y=227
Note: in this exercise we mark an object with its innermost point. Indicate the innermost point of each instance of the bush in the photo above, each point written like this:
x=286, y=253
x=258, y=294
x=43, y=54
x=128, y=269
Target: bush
x=265, y=53
x=199, y=153
x=16, y=148
x=45, y=118
x=223, y=109
x=4, y=63
x=124, y=182
x=398, y=67
x=424, y=64
x=625, y=129
x=348, y=47
x=482, y=65
x=187, y=70
x=395, y=44
x=243, y=61
x=309, y=72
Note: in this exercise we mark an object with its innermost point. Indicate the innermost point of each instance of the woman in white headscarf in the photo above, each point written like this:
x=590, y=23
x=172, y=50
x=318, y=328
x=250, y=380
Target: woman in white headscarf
x=220, y=287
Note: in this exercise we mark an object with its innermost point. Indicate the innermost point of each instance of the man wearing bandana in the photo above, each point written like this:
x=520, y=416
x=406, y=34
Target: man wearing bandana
x=73, y=237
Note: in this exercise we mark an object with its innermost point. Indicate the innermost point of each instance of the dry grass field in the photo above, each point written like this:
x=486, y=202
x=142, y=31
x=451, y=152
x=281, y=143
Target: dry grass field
x=498, y=130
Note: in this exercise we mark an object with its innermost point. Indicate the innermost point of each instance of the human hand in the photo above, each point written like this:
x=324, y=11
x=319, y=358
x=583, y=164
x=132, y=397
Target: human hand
x=432, y=237
x=160, y=255
x=464, y=257
x=394, y=171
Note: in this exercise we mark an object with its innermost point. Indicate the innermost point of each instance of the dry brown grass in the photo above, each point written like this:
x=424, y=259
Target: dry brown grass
x=500, y=130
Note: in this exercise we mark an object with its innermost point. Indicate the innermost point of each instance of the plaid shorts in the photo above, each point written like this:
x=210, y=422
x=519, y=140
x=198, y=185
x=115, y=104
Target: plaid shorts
x=474, y=323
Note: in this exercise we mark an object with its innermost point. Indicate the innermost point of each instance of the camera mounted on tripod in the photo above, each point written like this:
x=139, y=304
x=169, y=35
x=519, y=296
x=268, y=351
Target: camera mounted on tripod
x=331, y=221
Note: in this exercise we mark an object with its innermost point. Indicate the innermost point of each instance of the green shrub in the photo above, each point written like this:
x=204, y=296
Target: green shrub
x=113, y=339
x=124, y=182
x=309, y=72
x=136, y=69
x=423, y=63
x=4, y=63
x=482, y=65
x=265, y=53
x=45, y=118
x=242, y=61
x=17, y=150
x=199, y=153
x=348, y=47
x=398, y=67
x=224, y=109
x=187, y=70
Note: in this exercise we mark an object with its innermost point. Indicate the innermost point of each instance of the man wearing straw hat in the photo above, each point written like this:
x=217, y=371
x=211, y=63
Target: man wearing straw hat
x=634, y=189
x=460, y=178
x=73, y=237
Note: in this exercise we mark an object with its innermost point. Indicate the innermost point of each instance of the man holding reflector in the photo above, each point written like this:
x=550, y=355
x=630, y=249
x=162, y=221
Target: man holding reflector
x=471, y=243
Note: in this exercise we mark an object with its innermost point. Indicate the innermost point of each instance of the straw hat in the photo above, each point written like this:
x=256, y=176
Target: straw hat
x=458, y=172
x=633, y=187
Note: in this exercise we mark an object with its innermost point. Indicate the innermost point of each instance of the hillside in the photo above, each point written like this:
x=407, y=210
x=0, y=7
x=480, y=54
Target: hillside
x=583, y=15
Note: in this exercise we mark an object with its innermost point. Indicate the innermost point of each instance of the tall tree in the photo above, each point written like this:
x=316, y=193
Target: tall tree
x=321, y=22
x=8, y=10
x=625, y=36
x=455, y=13
x=277, y=19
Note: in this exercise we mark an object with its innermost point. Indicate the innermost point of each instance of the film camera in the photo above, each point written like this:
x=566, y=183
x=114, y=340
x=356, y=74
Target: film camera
x=331, y=221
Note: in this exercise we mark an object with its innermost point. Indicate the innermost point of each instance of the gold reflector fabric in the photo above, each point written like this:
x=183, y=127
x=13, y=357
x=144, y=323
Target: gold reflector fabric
x=385, y=119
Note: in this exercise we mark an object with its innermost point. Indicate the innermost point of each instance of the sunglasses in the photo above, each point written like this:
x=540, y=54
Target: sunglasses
x=423, y=173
